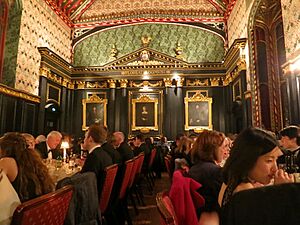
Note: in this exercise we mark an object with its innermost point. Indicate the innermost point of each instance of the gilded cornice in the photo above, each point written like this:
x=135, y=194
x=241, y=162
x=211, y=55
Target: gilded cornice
x=180, y=82
x=197, y=82
x=168, y=82
x=62, y=81
x=123, y=83
x=112, y=83
x=56, y=59
x=214, y=82
x=90, y=84
x=145, y=83
x=19, y=94
x=235, y=58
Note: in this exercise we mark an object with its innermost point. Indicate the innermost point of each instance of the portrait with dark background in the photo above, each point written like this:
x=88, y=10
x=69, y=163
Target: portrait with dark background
x=144, y=114
x=198, y=114
x=94, y=113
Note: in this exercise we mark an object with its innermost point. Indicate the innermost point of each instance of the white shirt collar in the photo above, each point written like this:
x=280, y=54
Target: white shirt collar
x=92, y=149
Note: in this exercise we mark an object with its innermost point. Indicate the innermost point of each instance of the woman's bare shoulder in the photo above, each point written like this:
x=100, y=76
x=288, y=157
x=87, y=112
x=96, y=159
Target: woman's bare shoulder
x=243, y=186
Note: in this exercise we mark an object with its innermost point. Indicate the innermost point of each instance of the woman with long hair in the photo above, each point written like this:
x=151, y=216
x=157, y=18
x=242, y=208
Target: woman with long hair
x=252, y=163
x=23, y=167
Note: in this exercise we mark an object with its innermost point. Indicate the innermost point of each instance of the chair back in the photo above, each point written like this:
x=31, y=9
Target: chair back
x=168, y=165
x=152, y=157
x=50, y=209
x=126, y=178
x=136, y=161
x=166, y=209
x=110, y=175
x=141, y=161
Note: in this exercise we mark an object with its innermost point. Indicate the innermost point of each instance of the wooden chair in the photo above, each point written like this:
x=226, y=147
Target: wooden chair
x=110, y=175
x=50, y=209
x=166, y=209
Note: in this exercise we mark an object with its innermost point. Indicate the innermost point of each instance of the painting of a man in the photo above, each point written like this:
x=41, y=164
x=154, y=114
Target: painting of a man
x=144, y=114
x=198, y=114
x=94, y=114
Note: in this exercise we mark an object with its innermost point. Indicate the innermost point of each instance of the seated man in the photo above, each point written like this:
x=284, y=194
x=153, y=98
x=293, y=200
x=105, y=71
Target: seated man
x=97, y=159
x=50, y=148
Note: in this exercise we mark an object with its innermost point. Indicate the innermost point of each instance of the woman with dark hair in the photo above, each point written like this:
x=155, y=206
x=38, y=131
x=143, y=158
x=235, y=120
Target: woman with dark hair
x=207, y=152
x=252, y=163
x=23, y=167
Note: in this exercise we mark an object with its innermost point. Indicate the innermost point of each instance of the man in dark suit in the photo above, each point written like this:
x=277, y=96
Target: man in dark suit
x=122, y=147
x=97, y=159
x=49, y=149
x=140, y=146
x=290, y=141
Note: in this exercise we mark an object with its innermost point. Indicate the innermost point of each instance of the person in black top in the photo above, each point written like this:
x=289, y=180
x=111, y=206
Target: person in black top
x=290, y=141
x=24, y=167
x=97, y=159
x=50, y=147
x=122, y=147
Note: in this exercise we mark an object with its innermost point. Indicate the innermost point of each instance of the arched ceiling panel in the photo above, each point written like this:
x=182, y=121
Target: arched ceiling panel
x=198, y=45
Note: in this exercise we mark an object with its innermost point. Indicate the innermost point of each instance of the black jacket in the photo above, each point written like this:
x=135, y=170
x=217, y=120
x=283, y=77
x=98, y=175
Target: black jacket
x=42, y=149
x=125, y=152
x=96, y=162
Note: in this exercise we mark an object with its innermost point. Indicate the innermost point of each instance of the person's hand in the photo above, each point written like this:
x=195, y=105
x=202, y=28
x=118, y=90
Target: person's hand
x=283, y=177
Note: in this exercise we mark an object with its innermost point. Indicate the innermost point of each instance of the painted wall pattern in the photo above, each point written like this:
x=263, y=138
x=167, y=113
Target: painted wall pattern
x=40, y=27
x=198, y=45
x=11, y=45
x=100, y=8
x=237, y=22
x=291, y=23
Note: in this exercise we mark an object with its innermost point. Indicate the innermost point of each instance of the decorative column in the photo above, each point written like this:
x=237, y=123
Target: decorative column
x=111, y=104
x=180, y=106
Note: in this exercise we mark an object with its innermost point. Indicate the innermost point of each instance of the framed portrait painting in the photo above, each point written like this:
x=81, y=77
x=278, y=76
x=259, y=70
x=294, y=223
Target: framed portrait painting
x=145, y=113
x=94, y=111
x=198, y=112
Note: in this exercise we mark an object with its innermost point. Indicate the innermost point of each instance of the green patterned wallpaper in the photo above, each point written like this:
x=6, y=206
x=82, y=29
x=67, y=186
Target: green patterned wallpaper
x=11, y=45
x=198, y=45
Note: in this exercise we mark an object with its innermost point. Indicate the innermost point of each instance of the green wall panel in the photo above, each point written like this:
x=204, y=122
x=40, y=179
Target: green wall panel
x=198, y=45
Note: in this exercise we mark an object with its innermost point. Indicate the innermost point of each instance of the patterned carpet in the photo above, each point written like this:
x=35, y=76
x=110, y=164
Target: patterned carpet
x=148, y=215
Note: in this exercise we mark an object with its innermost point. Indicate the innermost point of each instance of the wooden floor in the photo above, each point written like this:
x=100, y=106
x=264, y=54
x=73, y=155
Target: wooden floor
x=148, y=214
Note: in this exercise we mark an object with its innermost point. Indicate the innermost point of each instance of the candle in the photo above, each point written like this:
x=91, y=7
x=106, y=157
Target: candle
x=64, y=146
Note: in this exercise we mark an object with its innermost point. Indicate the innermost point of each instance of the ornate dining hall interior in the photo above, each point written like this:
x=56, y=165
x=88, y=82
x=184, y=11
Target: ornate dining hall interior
x=148, y=66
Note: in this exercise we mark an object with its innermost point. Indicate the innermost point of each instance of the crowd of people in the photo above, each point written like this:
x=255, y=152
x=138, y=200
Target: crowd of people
x=222, y=165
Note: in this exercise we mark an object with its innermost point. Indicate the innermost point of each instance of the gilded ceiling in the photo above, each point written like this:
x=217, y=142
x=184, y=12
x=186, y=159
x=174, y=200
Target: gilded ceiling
x=92, y=11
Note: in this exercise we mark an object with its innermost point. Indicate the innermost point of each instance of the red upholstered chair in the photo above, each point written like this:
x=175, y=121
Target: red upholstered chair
x=110, y=175
x=149, y=172
x=123, y=190
x=166, y=209
x=50, y=209
x=168, y=165
x=126, y=178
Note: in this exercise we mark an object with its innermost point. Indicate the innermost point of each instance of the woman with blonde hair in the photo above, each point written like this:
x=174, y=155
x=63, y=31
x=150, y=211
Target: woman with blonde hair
x=23, y=167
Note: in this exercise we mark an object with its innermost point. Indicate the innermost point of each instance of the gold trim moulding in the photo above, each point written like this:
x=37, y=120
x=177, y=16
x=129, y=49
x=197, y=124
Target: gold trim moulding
x=53, y=57
x=18, y=94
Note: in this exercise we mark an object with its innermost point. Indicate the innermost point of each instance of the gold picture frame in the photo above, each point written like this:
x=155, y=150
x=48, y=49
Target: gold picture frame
x=237, y=90
x=198, y=112
x=144, y=113
x=53, y=93
x=94, y=111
